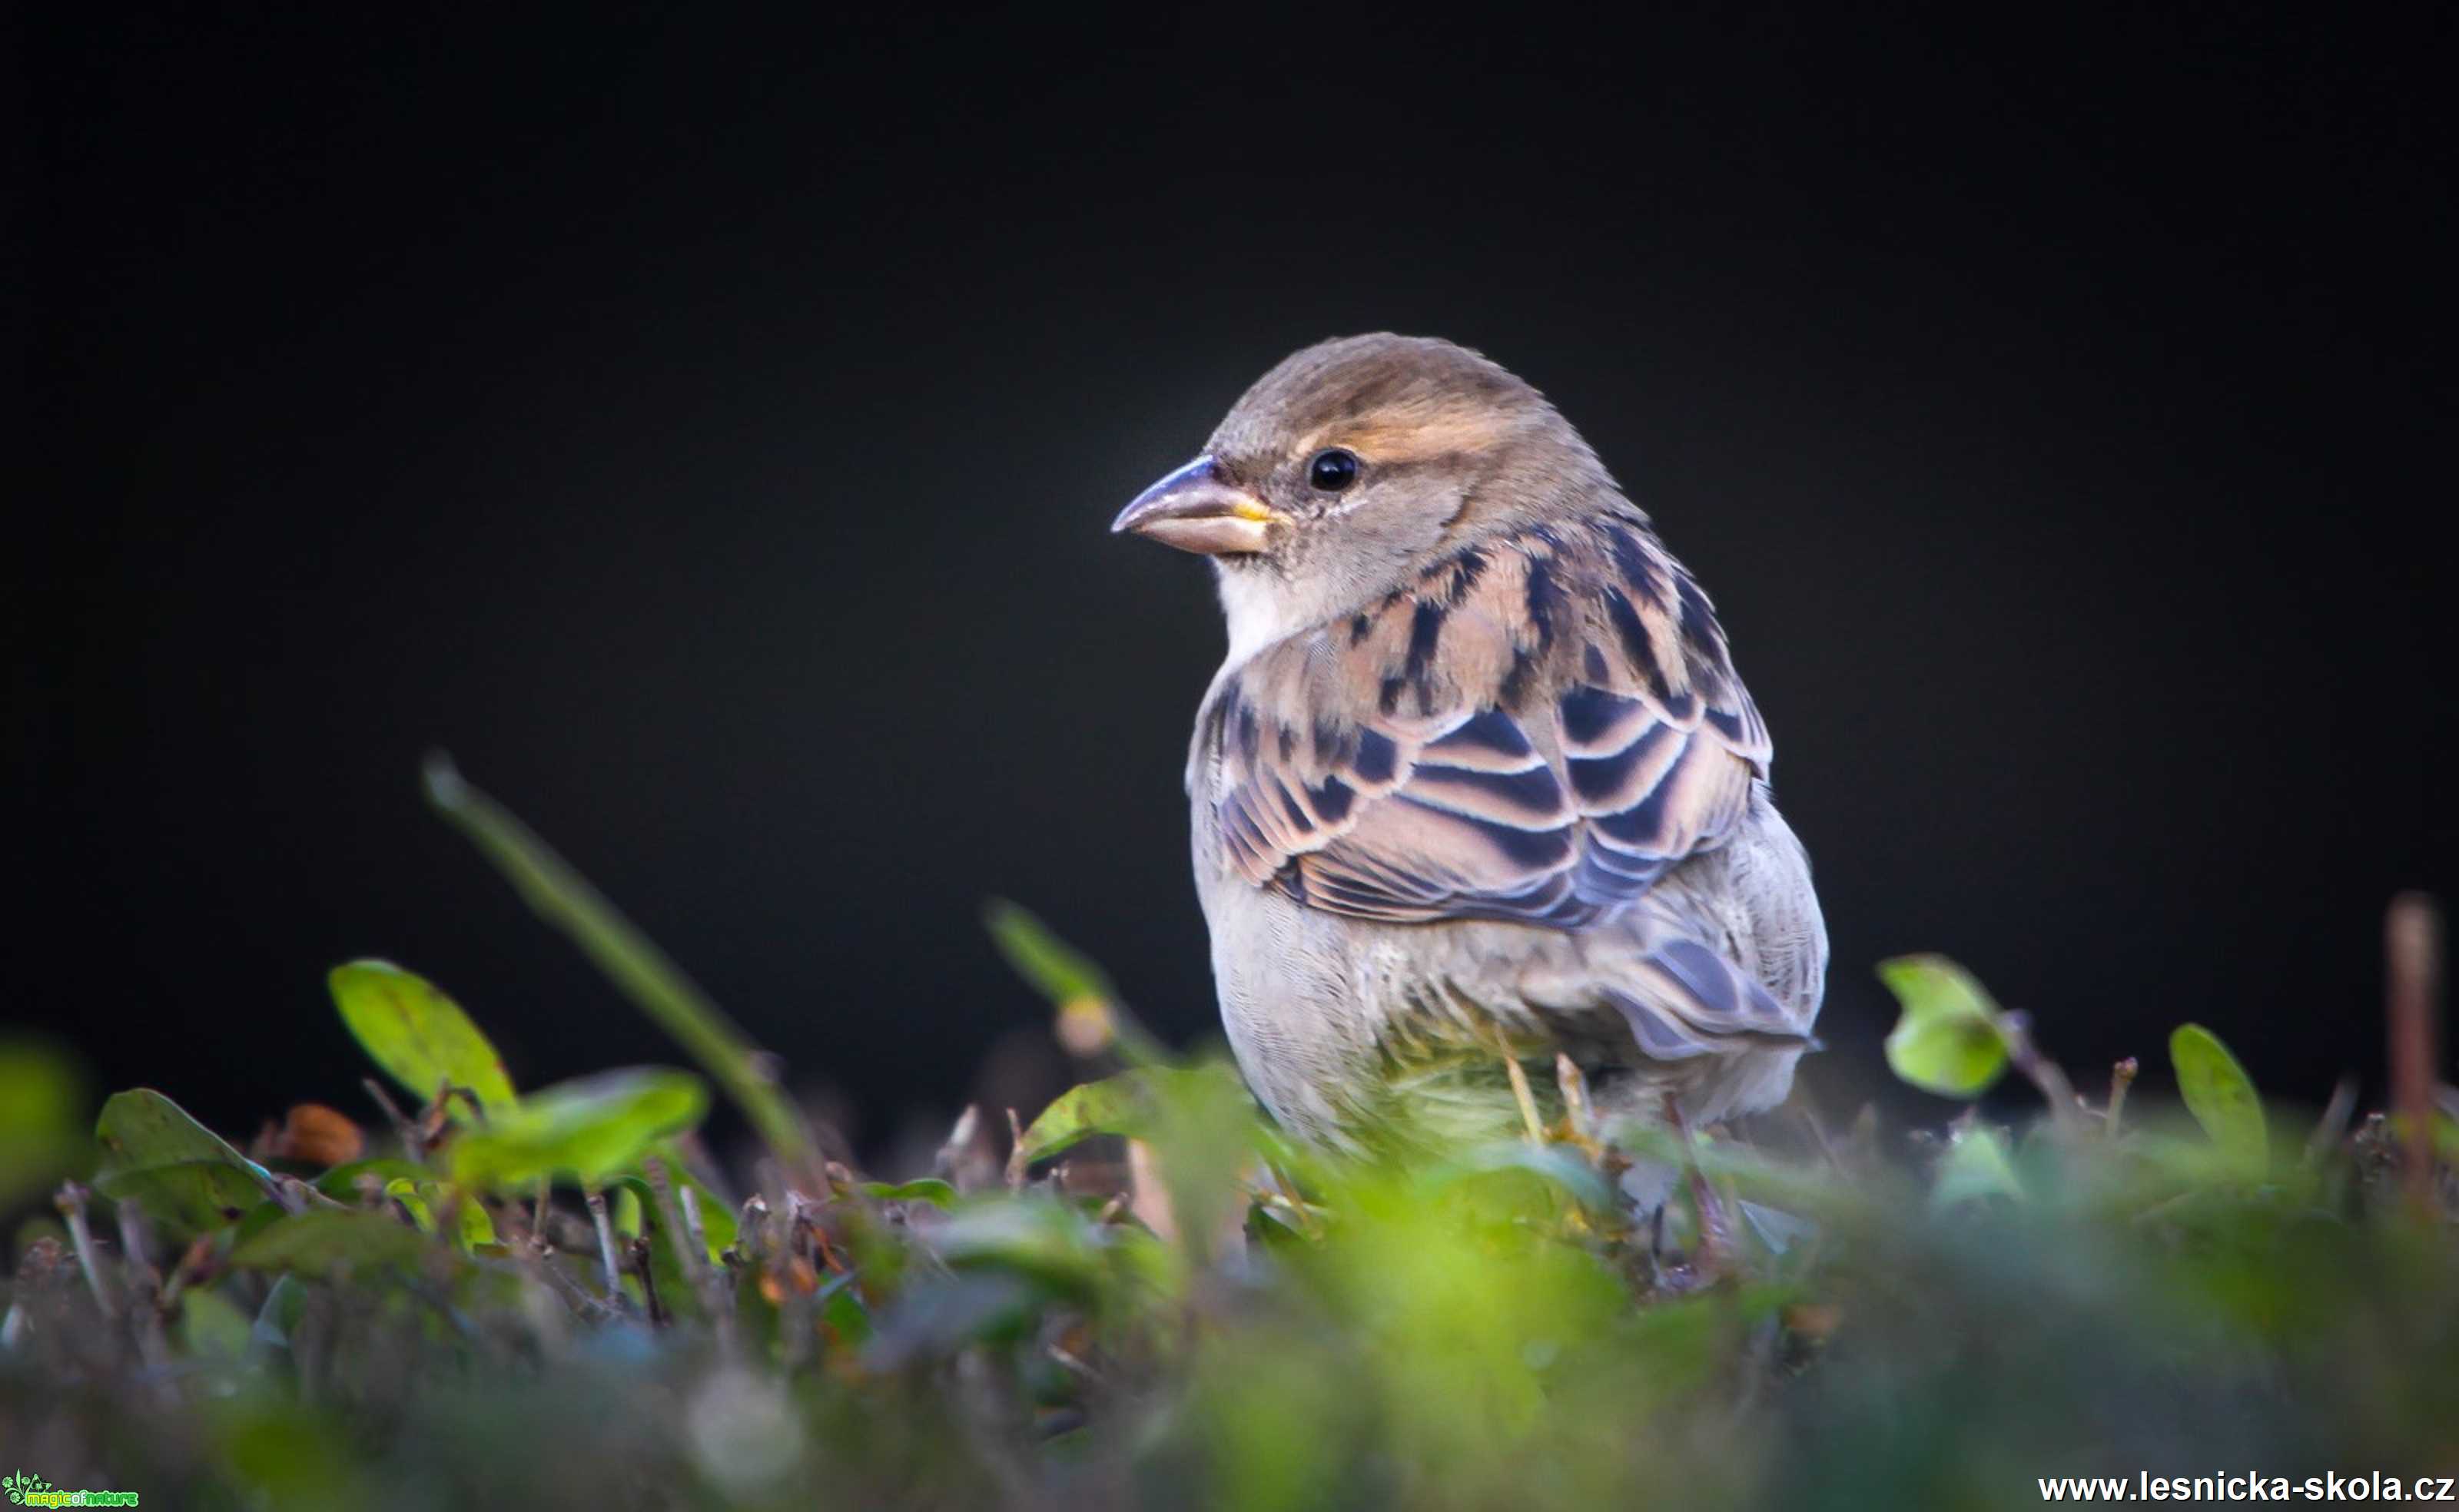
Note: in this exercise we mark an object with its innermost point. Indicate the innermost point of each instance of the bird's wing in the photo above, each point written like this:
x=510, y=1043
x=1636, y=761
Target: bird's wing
x=1535, y=731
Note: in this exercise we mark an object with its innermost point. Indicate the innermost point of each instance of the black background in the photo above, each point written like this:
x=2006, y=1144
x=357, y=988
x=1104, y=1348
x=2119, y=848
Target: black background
x=707, y=430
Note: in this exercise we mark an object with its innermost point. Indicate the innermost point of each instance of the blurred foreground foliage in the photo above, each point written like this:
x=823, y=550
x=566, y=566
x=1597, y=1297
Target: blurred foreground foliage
x=550, y=1297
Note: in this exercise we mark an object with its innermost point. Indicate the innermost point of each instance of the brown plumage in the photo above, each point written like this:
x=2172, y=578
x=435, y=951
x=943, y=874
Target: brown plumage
x=1477, y=770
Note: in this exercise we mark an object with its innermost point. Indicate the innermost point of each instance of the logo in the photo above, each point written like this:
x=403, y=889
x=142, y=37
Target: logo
x=32, y=1490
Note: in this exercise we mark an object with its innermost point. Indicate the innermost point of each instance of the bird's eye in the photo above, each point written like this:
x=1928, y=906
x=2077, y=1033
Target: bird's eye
x=1332, y=470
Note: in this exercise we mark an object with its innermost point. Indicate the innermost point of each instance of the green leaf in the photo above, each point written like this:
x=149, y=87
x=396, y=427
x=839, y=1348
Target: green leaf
x=925, y=1189
x=420, y=1036
x=342, y=1181
x=638, y=1211
x=1118, y=1104
x=477, y=1225
x=1947, y=1039
x=211, y=1324
x=275, y=1321
x=589, y=1128
x=2221, y=1098
x=404, y=1191
x=322, y=1242
x=1979, y=1163
x=1049, y=1241
x=423, y=1199
x=1136, y=1103
x=181, y=1173
x=1553, y=1164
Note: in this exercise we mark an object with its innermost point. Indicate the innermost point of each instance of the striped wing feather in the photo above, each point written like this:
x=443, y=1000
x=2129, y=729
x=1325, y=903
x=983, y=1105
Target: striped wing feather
x=1535, y=731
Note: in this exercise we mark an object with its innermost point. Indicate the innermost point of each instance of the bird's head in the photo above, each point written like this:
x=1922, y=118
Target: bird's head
x=1356, y=463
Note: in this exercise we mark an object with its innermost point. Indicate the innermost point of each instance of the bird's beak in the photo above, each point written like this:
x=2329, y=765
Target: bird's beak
x=1195, y=509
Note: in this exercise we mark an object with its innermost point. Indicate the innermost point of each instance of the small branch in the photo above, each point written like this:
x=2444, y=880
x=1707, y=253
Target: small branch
x=597, y=1200
x=414, y=1145
x=1530, y=1121
x=688, y=1197
x=1715, y=1233
x=2121, y=1076
x=296, y=1196
x=957, y=1159
x=2044, y=1073
x=2412, y=955
x=1578, y=1112
x=639, y=1249
x=2334, y=1125
x=716, y=1283
x=144, y=1285
x=693, y=1255
x=751, y=1231
x=137, y=1246
x=71, y=1206
x=542, y=1258
x=1147, y=1196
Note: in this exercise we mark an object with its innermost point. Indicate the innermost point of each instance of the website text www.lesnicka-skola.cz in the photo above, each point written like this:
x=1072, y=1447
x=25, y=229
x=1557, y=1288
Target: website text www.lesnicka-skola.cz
x=2250, y=1486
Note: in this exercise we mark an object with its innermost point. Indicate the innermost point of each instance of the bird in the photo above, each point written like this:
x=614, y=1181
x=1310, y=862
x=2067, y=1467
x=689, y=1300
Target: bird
x=1476, y=788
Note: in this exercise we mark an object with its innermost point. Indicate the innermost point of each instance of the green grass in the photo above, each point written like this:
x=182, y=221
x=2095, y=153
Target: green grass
x=547, y=1297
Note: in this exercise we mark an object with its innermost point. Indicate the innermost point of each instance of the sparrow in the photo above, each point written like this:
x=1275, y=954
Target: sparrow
x=1477, y=781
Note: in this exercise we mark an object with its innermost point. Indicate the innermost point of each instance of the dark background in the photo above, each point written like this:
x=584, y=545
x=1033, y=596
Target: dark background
x=707, y=430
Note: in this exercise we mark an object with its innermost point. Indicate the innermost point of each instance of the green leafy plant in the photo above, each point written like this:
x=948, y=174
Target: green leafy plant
x=553, y=1297
x=1951, y=1039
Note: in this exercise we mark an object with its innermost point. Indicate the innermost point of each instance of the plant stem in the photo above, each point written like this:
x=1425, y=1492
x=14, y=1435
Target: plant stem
x=597, y=1200
x=562, y=897
x=2121, y=1076
x=71, y=1206
x=2412, y=955
x=2044, y=1073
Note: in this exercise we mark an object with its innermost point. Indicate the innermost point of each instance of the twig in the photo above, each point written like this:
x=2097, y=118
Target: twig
x=1015, y=1161
x=2413, y=952
x=716, y=1283
x=1147, y=1196
x=1578, y=1112
x=541, y=1258
x=135, y=1243
x=597, y=1200
x=1530, y=1121
x=639, y=1249
x=751, y=1231
x=1808, y=1107
x=957, y=1160
x=414, y=1145
x=2121, y=1076
x=296, y=1196
x=694, y=1256
x=2333, y=1127
x=144, y=1284
x=71, y=1203
x=1715, y=1235
x=2015, y=1026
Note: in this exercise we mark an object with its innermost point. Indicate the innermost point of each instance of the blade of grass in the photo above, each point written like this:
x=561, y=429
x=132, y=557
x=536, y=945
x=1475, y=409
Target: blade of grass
x=643, y=973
